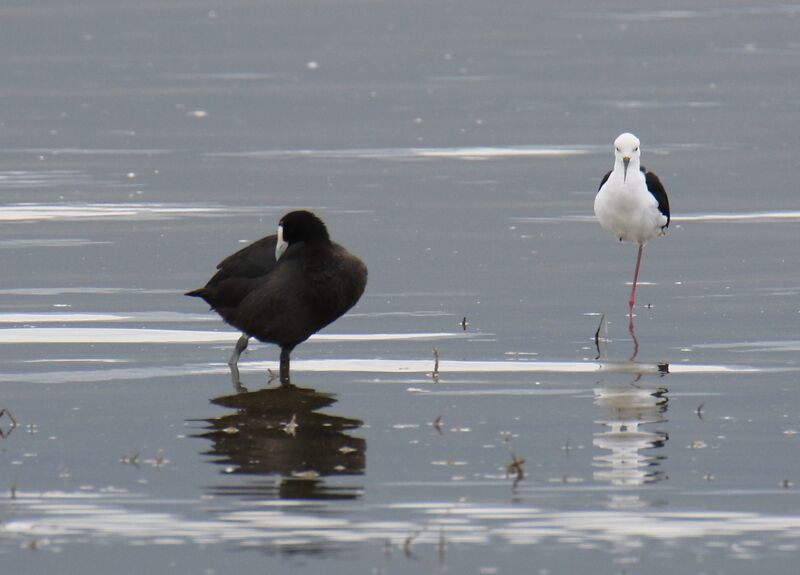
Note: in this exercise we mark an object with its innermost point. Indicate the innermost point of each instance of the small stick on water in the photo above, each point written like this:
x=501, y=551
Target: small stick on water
x=515, y=467
x=407, y=545
x=435, y=374
x=12, y=422
x=597, y=335
x=130, y=459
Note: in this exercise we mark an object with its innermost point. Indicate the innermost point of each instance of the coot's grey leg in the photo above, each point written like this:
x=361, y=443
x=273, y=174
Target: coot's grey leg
x=285, y=366
x=237, y=383
x=241, y=345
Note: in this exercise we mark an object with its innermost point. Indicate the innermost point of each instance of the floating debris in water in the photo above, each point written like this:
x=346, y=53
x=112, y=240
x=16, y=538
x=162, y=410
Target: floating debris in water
x=158, y=461
x=407, y=545
x=5, y=431
x=515, y=467
x=290, y=427
x=699, y=410
x=130, y=459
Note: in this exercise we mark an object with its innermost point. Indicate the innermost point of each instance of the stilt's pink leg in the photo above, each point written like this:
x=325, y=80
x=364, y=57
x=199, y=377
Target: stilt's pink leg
x=632, y=299
x=635, y=341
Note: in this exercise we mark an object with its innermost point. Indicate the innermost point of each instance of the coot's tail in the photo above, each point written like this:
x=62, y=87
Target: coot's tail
x=201, y=292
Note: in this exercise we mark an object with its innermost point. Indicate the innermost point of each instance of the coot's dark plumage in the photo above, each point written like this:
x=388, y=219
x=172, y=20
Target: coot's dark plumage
x=283, y=288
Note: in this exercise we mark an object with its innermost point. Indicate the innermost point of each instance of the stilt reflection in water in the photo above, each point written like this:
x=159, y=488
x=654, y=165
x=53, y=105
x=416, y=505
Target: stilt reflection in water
x=280, y=432
x=631, y=365
x=626, y=409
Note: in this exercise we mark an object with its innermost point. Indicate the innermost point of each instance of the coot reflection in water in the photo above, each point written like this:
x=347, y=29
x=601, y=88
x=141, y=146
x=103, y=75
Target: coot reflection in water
x=280, y=432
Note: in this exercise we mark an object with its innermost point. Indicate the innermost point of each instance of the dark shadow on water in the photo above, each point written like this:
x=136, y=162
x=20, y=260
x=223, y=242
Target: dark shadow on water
x=280, y=437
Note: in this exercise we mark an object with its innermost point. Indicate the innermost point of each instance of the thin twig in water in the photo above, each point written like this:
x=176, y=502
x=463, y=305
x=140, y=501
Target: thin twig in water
x=597, y=335
x=12, y=423
x=130, y=459
x=699, y=411
x=435, y=374
x=515, y=467
x=407, y=545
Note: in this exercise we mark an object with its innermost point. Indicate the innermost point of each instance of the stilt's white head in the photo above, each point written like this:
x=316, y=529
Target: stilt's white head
x=626, y=152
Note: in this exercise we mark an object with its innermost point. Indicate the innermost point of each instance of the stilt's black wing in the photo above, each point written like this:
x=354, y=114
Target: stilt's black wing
x=656, y=188
x=605, y=179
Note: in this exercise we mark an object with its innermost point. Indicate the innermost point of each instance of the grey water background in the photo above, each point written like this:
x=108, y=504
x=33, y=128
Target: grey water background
x=456, y=147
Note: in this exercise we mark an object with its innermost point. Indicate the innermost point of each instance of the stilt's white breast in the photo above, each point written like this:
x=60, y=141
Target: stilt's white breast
x=627, y=209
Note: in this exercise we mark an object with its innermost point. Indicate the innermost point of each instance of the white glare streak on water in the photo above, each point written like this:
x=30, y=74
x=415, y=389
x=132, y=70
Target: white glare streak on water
x=60, y=517
x=40, y=212
x=480, y=152
x=133, y=335
x=743, y=217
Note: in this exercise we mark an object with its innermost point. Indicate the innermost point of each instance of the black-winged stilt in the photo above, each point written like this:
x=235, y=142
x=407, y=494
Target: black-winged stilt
x=631, y=202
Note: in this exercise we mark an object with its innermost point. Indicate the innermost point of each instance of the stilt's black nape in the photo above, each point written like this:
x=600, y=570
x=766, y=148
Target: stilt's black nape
x=283, y=288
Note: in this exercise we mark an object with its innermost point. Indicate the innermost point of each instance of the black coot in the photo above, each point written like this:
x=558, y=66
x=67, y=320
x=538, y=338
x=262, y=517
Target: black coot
x=283, y=288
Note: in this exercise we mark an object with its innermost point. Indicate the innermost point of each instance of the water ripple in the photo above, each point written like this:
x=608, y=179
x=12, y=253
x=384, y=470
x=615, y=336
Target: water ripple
x=466, y=153
x=62, y=518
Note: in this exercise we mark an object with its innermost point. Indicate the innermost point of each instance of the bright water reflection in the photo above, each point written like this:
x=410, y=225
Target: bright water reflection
x=627, y=412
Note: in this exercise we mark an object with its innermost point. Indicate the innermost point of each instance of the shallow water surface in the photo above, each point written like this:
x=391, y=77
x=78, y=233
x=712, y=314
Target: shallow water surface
x=484, y=408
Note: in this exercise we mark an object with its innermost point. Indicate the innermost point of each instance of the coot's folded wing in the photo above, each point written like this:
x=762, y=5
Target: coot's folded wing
x=252, y=261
